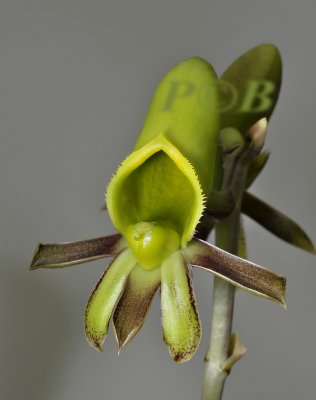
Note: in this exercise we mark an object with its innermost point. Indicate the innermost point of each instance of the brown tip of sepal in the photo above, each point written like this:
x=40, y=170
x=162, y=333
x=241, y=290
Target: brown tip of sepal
x=94, y=342
x=120, y=343
x=33, y=266
x=96, y=345
x=280, y=293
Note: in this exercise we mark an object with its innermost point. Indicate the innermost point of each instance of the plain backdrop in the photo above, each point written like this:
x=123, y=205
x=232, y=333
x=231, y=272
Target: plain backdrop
x=76, y=78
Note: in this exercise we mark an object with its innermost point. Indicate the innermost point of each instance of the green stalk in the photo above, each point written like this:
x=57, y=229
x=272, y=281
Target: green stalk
x=227, y=238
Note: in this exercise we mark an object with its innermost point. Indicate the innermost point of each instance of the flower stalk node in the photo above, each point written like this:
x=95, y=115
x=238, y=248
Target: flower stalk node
x=236, y=352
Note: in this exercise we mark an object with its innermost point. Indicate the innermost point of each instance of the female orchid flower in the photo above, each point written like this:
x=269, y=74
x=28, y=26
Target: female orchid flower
x=155, y=201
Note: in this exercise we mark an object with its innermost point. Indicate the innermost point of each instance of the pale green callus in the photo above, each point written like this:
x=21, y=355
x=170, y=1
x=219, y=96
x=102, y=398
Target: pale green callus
x=152, y=242
x=180, y=319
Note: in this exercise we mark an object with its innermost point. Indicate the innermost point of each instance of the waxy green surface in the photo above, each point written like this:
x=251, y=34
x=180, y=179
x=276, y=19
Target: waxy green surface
x=157, y=196
x=185, y=109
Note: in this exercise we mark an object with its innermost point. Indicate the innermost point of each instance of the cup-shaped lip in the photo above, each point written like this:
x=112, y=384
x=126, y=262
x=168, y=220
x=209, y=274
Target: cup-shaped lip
x=162, y=189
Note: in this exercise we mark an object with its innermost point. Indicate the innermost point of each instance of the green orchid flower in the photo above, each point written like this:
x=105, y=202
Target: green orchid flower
x=155, y=201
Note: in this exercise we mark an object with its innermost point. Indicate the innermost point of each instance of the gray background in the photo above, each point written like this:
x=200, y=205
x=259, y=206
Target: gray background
x=76, y=78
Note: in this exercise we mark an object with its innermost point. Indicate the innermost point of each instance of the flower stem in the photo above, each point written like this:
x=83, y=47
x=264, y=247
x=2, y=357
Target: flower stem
x=227, y=238
x=214, y=378
x=222, y=316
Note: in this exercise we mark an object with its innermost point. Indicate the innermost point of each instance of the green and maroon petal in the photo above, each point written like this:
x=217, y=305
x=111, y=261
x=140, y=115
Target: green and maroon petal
x=131, y=310
x=236, y=270
x=60, y=255
x=105, y=297
x=180, y=319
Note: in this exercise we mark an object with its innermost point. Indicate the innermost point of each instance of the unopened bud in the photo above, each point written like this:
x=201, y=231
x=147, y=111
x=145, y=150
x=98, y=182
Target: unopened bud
x=257, y=134
x=231, y=140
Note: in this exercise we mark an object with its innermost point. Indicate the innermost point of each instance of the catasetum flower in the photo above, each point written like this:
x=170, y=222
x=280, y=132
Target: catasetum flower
x=155, y=201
